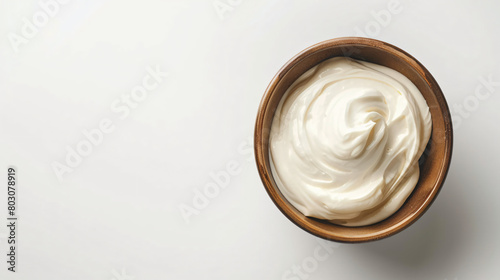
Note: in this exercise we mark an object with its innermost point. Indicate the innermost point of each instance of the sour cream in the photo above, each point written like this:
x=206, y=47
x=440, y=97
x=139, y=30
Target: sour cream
x=346, y=139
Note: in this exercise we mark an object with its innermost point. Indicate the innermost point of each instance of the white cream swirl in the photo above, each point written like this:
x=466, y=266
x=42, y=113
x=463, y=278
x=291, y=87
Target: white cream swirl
x=345, y=141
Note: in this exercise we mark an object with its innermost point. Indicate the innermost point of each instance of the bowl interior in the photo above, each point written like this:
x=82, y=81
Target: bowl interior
x=434, y=162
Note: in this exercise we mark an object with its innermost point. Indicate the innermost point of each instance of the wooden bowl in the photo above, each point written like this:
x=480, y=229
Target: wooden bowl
x=433, y=164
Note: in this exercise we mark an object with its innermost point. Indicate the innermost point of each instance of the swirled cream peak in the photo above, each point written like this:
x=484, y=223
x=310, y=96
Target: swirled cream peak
x=346, y=139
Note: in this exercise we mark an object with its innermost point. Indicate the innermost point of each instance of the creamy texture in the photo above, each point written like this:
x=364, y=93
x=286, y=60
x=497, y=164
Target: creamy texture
x=346, y=139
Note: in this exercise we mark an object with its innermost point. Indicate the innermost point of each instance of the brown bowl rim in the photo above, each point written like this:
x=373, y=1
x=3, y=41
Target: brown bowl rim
x=267, y=179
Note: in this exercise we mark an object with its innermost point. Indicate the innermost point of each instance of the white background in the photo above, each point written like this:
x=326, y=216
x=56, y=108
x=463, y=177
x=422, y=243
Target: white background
x=116, y=215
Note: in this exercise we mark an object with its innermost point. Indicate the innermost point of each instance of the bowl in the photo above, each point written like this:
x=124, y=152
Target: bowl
x=434, y=162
